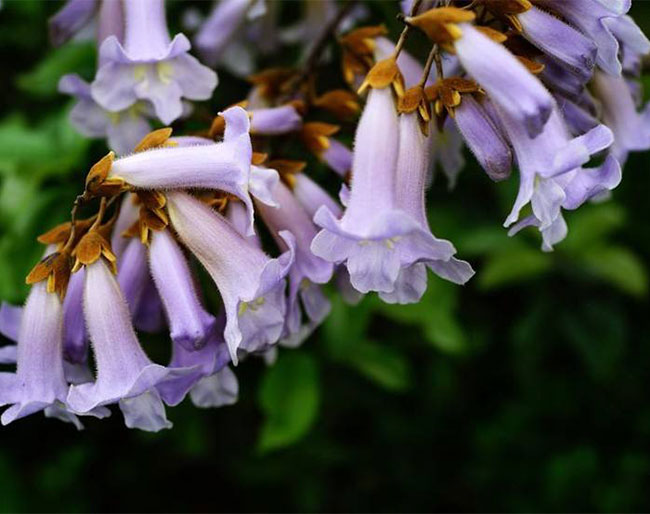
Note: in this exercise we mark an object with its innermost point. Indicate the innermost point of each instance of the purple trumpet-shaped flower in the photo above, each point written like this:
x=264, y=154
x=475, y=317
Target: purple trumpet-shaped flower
x=251, y=284
x=312, y=196
x=75, y=336
x=337, y=156
x=500, y=74
x=124, y=372
x=375, y=238
x=149, y=66
x=559, y=40
x=634, y=44
x=129, y=213
x=446, y=152
x=483, y=138
x=221, y=26
x=149, y=316
x=590, y=17
x=308, y=269
x=190, y=324
x=205, y=361
x=412, y=170
x=225, y=166
x=552, y=176
x=74, y=16
x=631, y=128
x=132, y=274
x=39, y=382
x=216, y=390
x=124, y=129
x=10, y=316
x=272, y=121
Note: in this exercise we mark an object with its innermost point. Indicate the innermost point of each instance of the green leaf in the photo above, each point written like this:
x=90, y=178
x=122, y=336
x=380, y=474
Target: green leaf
x=43, y=80
x=50, y=148
x=619, y=267
x=435, y=315
x=512, y=266
x=289, y=397
x=590, y=225
x=382, y=364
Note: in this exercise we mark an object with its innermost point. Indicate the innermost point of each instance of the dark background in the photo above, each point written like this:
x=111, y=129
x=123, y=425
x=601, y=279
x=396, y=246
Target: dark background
x=525, y=390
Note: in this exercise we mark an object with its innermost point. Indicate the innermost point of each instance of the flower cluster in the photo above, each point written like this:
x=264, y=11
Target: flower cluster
x=544, y=86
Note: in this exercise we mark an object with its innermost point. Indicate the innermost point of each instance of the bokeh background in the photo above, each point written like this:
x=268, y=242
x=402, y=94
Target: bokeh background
x=526, y=390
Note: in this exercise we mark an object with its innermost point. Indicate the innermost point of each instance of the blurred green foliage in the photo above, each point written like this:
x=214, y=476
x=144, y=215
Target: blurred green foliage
x=524, y=390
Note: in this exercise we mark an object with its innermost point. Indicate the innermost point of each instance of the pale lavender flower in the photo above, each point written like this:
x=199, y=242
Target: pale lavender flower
x=590, y=17
x=499, y=73
x=272, y=121
x=190, y=324
x=251, y=284
x=221, y=26
x=374, y=247
x=149, y=66
x=308, y=270
x=631, y=128
x=412, y=169
x=39, y=382
x=149, y=317
x=483, y=138
x=633, y=42
x=132, y=274
x=561, y=78
x=312, y=196
x=338, y=157
x=124, y=372
x=559, y=40
x=552, y=176
x=73, y=17
x=224, y=166
x=211, y=358
x=216, y=390
x=446, y=152
x=124, y=129
x=75, y=336
x=129, y=213
x=10, y=320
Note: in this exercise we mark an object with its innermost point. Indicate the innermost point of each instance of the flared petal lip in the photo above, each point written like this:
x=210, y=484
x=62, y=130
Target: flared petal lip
x=275, y=270
x=85, y=397
x=388, y=224
x=112, y=50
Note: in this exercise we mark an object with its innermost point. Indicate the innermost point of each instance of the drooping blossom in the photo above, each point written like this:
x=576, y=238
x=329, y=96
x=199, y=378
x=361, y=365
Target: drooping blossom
x=251, y=283
x=39, y=382
x=125, y=374
x=412, y=170
x=552, y=175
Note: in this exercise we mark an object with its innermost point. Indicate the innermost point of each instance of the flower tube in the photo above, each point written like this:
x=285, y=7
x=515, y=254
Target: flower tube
x=190, y=324
x=124, y=372
x=251, y=284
